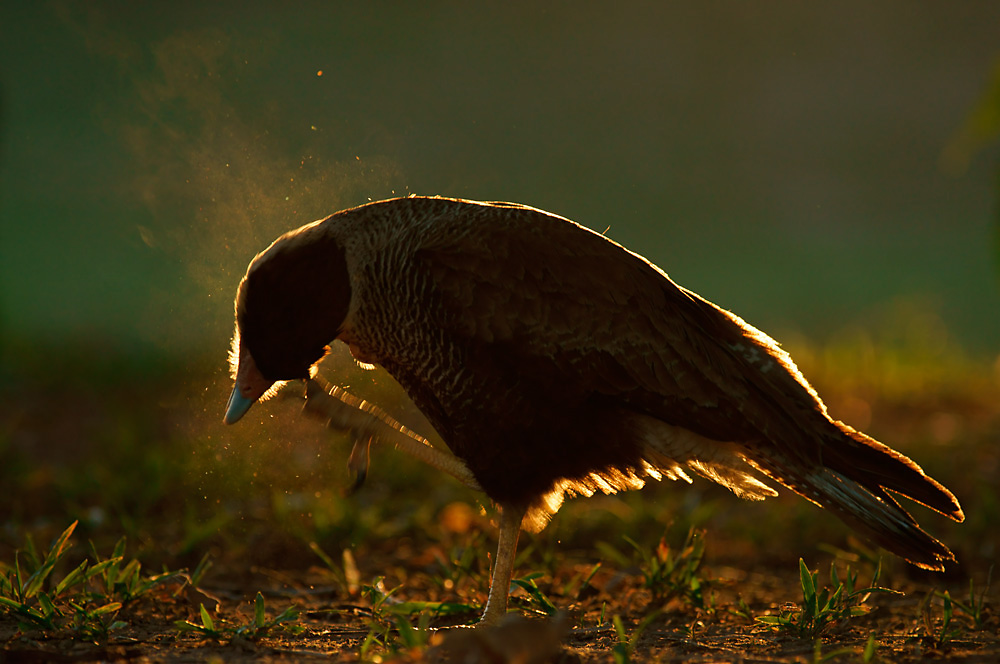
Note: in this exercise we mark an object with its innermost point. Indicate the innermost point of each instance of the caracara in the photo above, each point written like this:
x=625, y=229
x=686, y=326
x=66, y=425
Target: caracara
x=555, y=362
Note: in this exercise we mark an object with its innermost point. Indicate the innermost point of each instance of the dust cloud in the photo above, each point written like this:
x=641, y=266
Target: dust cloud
x=221, y=168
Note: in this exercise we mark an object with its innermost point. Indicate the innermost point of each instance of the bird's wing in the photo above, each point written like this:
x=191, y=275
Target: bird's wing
x=613, y=324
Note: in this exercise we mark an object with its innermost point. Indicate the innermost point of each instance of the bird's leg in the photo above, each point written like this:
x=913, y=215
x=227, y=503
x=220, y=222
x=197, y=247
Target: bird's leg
x=344, y=412
x=503, y=566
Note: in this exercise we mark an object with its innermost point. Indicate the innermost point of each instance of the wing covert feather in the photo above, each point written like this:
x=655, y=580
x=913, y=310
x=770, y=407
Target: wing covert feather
x=612, y=323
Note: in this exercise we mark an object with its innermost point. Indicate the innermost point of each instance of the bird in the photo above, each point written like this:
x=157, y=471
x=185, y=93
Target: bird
x=554, y=362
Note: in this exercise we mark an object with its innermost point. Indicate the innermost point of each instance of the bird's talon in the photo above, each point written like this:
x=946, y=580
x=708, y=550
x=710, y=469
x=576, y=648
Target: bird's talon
x=357, y=463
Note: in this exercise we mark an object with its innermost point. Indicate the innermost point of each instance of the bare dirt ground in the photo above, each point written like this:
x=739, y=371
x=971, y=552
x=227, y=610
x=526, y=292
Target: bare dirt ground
x=419, y=549
x=336, y=627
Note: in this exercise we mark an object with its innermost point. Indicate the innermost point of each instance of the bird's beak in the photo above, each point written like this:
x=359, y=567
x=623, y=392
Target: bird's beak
x=250, y=386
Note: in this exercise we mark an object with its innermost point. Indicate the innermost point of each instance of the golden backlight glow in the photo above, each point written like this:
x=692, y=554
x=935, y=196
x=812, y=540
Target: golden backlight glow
x=274, y=389
x=234, y=353
x=234, y=366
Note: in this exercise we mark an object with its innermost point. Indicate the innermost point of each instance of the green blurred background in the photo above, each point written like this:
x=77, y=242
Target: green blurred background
x=786, y=160
x=809, y=166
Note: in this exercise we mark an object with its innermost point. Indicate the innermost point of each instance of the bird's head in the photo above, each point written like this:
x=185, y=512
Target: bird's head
x=290, y=305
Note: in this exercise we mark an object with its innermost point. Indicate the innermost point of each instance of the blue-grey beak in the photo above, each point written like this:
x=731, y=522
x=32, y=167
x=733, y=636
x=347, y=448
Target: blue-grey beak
x=238, y=406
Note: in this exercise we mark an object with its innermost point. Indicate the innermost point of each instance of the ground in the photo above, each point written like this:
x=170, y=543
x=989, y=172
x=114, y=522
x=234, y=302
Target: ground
x=255, y=528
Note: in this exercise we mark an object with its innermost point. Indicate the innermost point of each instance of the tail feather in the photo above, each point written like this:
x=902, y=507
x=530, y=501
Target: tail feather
x=875, y=514
x=852, y=482
x=874, y=465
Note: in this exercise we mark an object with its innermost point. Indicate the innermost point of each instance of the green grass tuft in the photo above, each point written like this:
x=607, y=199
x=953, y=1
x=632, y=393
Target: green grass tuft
x=824, y=608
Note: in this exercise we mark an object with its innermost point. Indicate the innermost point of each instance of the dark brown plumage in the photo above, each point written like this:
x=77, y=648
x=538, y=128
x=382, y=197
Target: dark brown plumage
x=555, y=362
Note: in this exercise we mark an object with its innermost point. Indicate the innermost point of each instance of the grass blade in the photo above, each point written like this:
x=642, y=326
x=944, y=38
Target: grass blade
x=206, y=620
x=78, y=575
x=110, y=607
x=259, y=617
x=806, y=579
